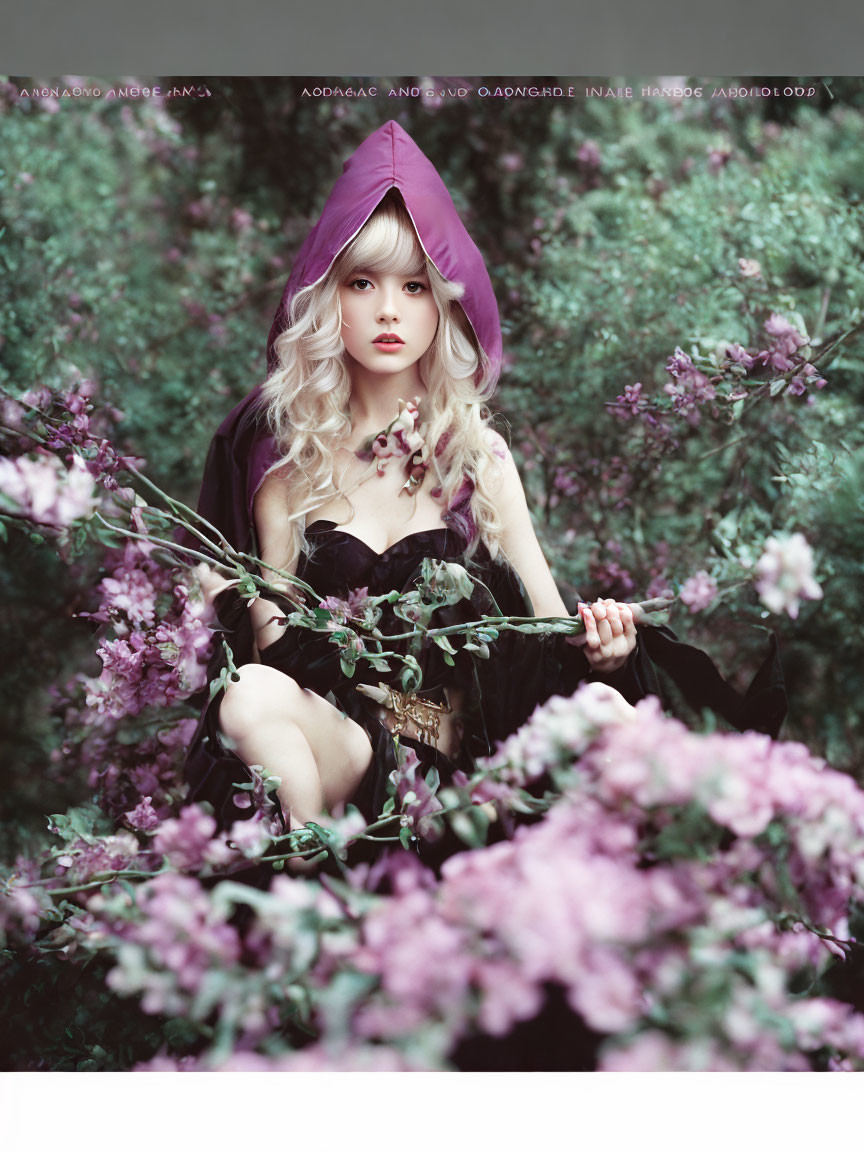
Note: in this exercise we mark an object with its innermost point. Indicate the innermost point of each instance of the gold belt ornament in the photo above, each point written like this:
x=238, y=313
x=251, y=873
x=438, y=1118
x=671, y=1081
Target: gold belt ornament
x=408, y=708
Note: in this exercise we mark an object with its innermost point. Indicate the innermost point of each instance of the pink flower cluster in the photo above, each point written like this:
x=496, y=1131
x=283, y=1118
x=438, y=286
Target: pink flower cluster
x=785, y=574
x=153, y=665
x=137, y=588
x=41, y=489
x=81, y=428
x=570, y=901
x=183, y=841
x=631, y=401
x=188, y=842
x=166, y=952
x=82, y=860
x=674, y=892
x=23, y=903
x=690, y=388
x=782, y=354
x=139, y=782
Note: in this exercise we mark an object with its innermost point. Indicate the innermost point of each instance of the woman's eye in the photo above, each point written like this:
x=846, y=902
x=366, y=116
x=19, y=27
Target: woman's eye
x=414, y=287
x=360, y=283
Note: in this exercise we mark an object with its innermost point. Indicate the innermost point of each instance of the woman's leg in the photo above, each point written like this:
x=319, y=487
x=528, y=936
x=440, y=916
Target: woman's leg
x=319, y=755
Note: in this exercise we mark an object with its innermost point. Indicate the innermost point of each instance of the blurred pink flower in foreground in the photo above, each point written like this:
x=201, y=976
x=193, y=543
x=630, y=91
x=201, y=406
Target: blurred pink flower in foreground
x=40, y=488
x=785, y=574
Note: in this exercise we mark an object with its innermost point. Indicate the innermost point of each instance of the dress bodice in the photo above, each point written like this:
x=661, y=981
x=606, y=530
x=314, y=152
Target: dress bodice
x=340, y=562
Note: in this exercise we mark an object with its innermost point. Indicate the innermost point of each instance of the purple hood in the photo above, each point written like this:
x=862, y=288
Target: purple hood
x=243, y=449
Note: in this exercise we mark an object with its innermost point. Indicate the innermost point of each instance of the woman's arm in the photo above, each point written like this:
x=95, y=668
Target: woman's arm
x=273, y=527
x=610, y=632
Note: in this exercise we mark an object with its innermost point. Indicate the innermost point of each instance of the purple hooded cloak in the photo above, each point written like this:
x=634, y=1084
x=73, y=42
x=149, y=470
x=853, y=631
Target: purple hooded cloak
x=243, y=449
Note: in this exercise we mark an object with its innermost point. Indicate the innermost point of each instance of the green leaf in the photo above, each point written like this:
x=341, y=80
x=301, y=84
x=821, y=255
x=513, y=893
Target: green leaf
x=443, y=642
x=481, y=650
x=465, y=829
x=406, y=836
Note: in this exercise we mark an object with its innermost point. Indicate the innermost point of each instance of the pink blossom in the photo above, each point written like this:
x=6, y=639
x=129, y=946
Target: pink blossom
x=83, y=859
x=143, y=818
x=631, y=401
x=131, y=593
x=698, y=592
x=184, y=839
x=785, y=574
x=250, y=837
x=21, y=910
x=12, y=413
x=41, y=489
x=739, y=355
x=782, y=353
x=807, y=376
x=345, y=610
x=678, y=363
x=165, y=955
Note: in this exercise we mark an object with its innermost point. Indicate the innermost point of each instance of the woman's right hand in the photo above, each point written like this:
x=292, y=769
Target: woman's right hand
x=610, y=634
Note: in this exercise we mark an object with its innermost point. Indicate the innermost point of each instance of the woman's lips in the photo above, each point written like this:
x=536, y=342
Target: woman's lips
x=388, y=343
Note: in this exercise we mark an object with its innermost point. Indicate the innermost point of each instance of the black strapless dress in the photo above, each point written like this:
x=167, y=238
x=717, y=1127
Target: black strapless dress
x=500, y=692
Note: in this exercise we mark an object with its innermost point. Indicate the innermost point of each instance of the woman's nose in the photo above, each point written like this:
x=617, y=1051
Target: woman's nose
x=388, y=308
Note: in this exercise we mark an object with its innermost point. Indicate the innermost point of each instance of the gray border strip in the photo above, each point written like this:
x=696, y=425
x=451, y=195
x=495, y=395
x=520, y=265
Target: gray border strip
x=438, y=37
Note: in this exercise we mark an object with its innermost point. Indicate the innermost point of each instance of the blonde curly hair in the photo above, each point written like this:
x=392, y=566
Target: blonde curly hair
x=307, y=395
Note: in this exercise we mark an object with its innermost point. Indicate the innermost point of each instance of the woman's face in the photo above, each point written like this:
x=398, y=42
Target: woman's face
x=388, y=321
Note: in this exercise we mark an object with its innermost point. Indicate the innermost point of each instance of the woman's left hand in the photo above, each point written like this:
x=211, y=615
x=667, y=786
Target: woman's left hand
x=610, y=634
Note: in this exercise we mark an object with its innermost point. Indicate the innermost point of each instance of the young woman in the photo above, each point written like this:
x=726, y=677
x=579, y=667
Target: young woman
x=367, y=450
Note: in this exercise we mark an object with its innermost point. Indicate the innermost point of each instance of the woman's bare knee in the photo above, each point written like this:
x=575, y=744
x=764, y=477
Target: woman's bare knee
x=261, y=694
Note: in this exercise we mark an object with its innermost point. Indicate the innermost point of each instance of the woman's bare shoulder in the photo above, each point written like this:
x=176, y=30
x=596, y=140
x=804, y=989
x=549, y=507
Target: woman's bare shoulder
x=271, y=500
x=498, y=444
x=502, y=479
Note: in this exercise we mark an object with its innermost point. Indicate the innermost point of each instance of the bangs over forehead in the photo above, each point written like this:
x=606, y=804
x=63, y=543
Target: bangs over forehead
x=387, y=243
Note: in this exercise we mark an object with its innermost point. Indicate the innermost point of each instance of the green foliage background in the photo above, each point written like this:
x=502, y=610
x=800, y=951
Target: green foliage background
x=146, y=244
